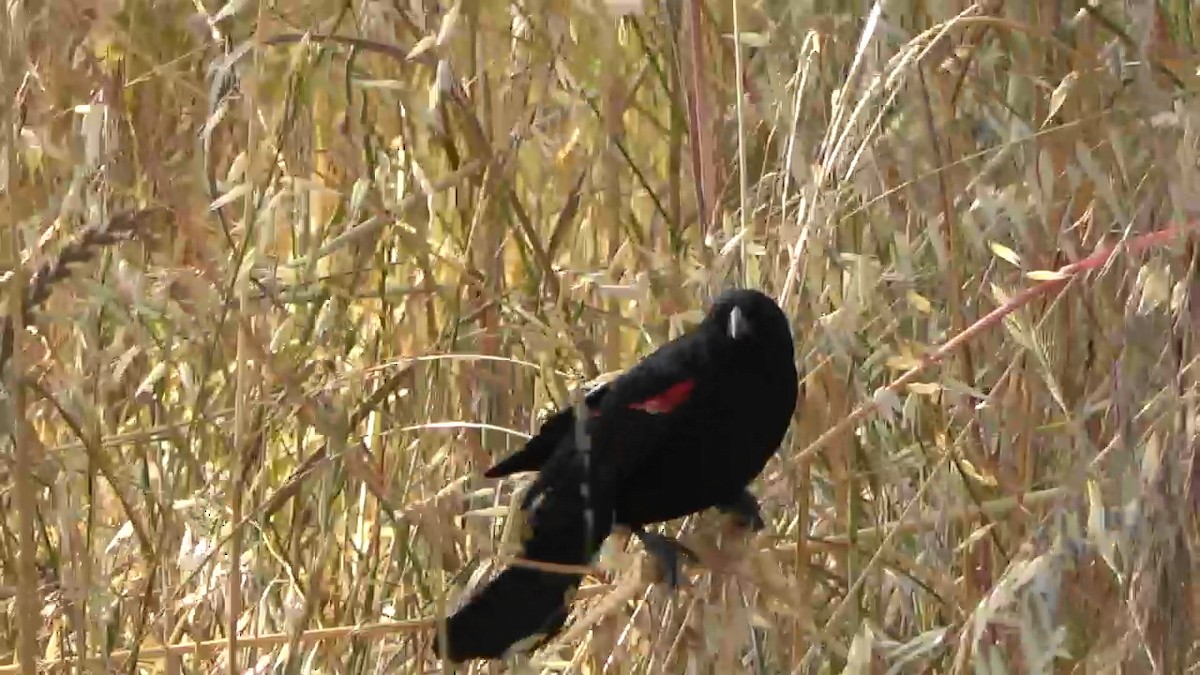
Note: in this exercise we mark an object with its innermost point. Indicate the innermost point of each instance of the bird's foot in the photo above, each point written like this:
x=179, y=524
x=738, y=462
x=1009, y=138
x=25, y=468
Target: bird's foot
x=744, y=511
x=667, y=552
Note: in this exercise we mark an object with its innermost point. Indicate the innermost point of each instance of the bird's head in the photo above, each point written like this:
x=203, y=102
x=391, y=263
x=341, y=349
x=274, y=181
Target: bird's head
x=750, y=319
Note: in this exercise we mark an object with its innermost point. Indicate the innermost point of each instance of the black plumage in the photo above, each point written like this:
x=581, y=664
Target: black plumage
x=687, y=428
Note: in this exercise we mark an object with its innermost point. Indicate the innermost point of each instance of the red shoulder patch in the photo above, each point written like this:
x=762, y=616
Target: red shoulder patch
x=667, y=401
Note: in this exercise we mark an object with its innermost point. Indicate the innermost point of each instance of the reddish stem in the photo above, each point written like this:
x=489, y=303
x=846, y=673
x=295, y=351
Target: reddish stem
x=1065, y=274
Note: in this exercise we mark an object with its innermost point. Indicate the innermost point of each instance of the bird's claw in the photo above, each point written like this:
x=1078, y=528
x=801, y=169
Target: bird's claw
x=667, y=552
x=744, y=511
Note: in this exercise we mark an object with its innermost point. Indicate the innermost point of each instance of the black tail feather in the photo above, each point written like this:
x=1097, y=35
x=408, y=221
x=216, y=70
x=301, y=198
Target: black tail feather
x=519, y=603
x=566, y=524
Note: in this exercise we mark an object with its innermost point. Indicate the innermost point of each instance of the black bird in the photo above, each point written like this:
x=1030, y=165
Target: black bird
x=687, y=428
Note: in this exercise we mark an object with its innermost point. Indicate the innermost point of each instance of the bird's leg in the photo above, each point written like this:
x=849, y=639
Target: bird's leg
x=667, y=552
x=744, y=510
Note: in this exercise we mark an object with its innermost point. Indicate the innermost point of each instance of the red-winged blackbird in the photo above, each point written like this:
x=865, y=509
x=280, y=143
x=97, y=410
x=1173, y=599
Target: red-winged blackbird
x=686, y=429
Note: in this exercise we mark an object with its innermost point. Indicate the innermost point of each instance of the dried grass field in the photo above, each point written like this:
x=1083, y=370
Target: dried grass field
x=282, y=278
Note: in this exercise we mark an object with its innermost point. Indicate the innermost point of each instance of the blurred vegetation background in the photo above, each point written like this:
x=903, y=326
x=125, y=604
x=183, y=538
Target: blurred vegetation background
x=317, y=285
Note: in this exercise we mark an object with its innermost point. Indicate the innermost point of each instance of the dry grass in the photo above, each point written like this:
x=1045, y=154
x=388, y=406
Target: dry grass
x=376, y=257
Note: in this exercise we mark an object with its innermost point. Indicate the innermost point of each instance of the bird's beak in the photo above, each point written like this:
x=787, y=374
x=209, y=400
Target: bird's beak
x=739, y=326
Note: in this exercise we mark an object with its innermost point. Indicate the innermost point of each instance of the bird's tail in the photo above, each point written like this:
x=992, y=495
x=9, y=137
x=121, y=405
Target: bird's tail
x=568, y=519
x=519, y=604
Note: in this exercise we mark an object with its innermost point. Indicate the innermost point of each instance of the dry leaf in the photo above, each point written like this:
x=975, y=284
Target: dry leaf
x=1005, y=253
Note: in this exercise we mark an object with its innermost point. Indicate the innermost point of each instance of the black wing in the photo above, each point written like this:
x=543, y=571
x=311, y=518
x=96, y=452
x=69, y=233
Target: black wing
x=537, y=450
x=642, y=414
